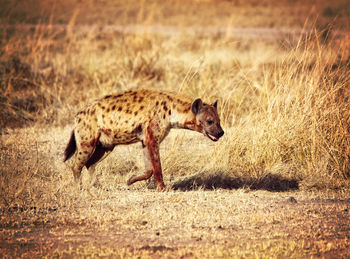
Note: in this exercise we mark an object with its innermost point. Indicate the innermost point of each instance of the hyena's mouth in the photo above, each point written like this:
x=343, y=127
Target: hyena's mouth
x=213, y=138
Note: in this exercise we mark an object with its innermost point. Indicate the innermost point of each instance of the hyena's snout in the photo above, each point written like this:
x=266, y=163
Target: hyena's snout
x=221, y=133
x=215, y=134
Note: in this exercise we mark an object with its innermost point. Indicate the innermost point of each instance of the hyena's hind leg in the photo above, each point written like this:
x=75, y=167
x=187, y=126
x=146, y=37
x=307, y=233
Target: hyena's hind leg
x=85, y=150
x=99, y=154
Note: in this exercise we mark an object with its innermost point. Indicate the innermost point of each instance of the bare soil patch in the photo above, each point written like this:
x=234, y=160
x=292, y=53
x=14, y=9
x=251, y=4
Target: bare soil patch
x=202, y=223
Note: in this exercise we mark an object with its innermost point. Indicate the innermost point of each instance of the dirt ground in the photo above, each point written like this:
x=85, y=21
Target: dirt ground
x=252, y=223
x=57, y=219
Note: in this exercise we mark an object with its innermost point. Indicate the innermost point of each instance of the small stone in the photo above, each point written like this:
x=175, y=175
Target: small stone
x=292, y=199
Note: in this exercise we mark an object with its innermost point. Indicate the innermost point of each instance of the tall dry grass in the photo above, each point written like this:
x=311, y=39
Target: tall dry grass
x=298, y=120
x=284, y=103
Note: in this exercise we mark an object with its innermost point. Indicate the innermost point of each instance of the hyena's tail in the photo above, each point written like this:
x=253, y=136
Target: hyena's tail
x=71, y=147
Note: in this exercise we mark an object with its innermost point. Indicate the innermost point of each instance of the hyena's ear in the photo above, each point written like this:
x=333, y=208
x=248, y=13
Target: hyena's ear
x=215, y=104
x=197, y=106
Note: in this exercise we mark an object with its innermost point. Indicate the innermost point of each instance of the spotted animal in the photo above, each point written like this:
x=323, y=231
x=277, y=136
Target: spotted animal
x=142, y=115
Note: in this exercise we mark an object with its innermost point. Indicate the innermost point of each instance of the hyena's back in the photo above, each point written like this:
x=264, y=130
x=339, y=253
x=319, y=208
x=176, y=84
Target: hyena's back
x=121, y=118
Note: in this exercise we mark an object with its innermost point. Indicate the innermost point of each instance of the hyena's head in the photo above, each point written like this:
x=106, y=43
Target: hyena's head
x=207, y=119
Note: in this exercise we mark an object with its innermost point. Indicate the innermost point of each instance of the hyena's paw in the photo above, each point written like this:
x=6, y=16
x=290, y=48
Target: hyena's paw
x=162, y=188
x=131, y=180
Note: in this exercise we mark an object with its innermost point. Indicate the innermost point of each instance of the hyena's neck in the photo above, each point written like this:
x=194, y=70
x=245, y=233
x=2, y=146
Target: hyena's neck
x=183, y=118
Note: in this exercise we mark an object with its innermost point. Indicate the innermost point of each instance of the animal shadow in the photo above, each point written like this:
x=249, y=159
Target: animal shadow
x=207, y=181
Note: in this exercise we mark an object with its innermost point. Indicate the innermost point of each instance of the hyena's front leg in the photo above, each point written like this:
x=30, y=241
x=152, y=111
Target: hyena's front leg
x=148, y=169
x=152, y=161
x=152, y=147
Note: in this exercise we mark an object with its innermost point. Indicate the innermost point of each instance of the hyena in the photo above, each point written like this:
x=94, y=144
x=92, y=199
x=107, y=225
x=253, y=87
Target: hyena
x=144, y=116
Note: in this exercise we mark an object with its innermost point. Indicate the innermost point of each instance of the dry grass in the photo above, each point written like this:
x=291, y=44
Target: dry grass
x=284, y=104
x=207, y=13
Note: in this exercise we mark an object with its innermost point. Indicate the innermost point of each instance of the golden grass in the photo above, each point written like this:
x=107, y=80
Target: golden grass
x=241, y=13
x=284, y=105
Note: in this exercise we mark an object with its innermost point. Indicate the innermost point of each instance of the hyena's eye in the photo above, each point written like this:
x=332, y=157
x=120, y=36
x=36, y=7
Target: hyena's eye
x=210, y=122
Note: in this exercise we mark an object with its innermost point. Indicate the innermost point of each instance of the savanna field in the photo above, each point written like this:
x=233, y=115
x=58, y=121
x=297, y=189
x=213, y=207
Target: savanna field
x=276, y=185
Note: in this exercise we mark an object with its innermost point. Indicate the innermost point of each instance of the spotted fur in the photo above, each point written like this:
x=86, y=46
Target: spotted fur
x=144, y=116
